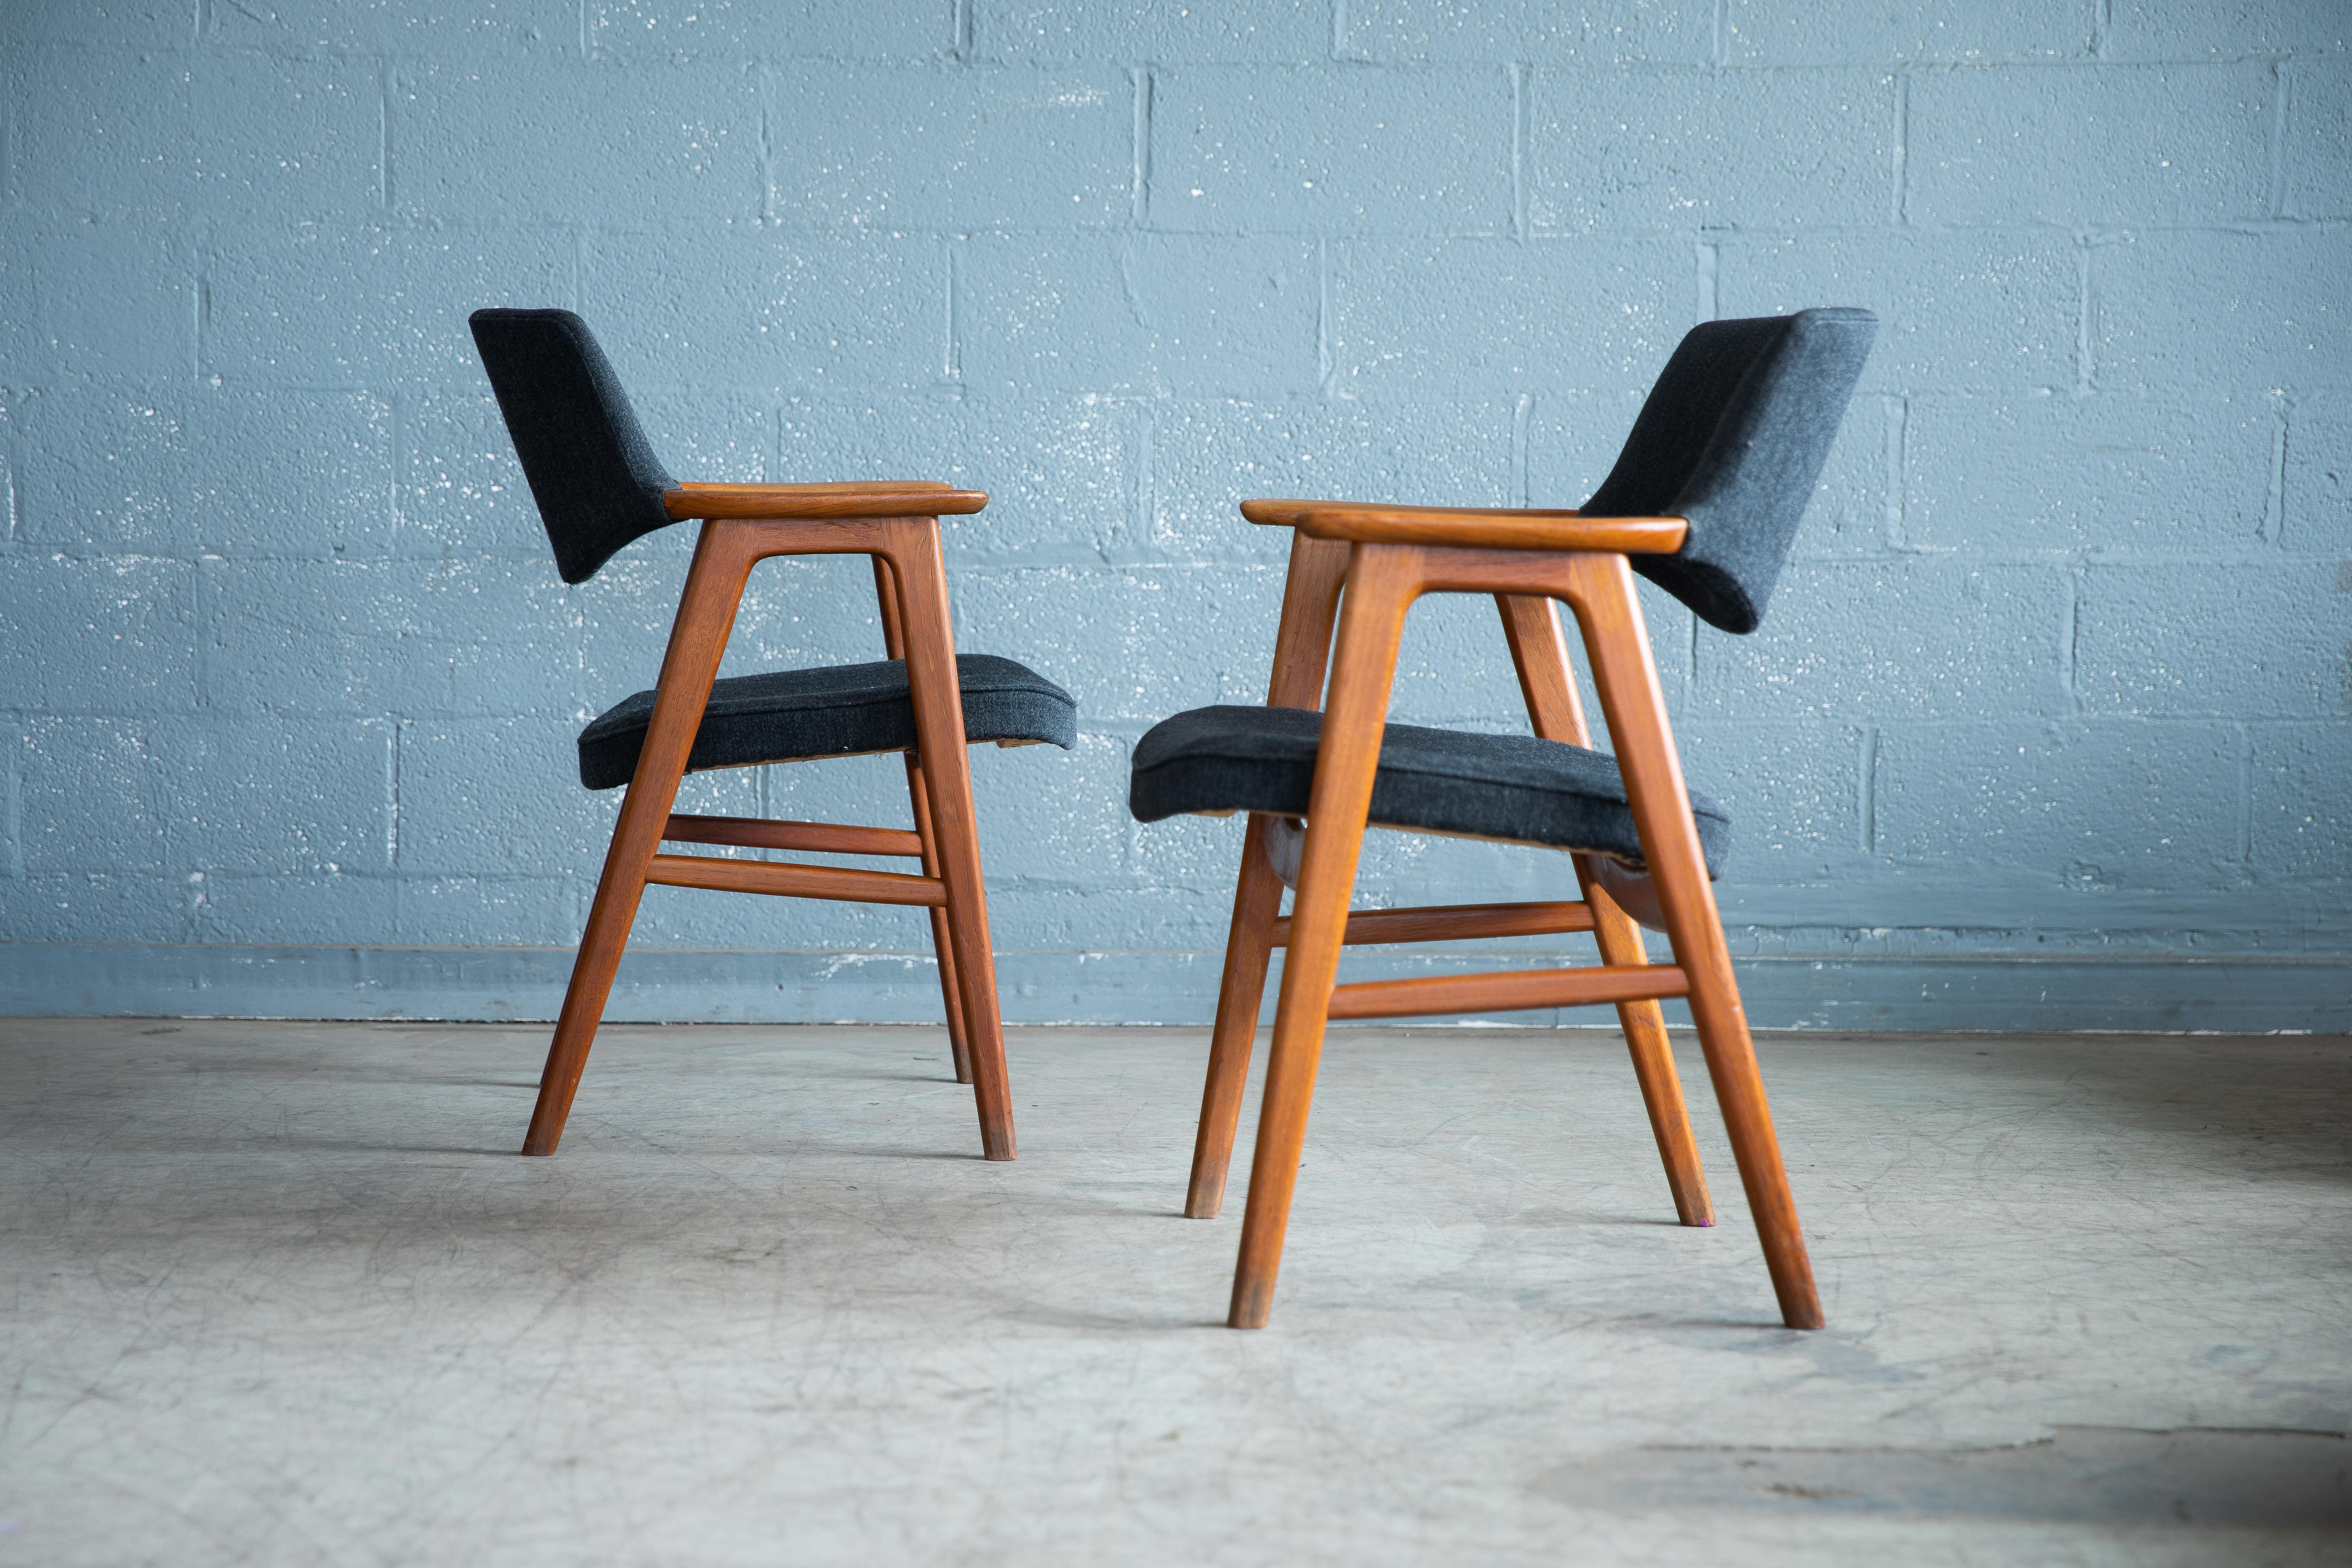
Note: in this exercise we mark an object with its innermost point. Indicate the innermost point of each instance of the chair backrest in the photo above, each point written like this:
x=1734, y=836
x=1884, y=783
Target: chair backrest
x=1733, y=438
x=590, y=469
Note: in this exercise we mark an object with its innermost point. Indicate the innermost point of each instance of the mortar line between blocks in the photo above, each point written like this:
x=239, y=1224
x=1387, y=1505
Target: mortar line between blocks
x=1520, y=414
x=391, y=797
x=199, y=307
x=1898, y=435
x=2073, y=638
x=12, y=816
x=1145, y=499
x=1867, y=791
x=1519, y=151
x=200, y=591
x=399, y=402
x=2282, y=89
x=384, y=85
x=1325, y=369
x=1899, y=206
x=2085, y=369
x=2274, y=492
x=767, y=149
x=1139, y=197
x=953, y=365
x=2246, y=796
x=8, y=123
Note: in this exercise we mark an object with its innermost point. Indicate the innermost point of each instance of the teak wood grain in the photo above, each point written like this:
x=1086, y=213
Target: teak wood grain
x=841, y=884
x=803, y=502
x=1371, y=564
x=1506, y=990
x=1454, y=922
x=897, y=524
x=821, y=838
x=1494, y=528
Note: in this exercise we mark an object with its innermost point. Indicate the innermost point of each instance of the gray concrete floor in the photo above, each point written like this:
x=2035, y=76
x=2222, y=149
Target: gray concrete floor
x=283, y=1293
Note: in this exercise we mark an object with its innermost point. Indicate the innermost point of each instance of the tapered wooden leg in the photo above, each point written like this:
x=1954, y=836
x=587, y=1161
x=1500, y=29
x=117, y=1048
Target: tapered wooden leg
x=1382, y=582
x=947, y=777
x=1302, y=647
x=706, y=612
x=942, y=935
x=1249, y=948
x=894, y=646
x=1644, y=1023
x=1602, y=590
x=1531, y=626
x=609, y=919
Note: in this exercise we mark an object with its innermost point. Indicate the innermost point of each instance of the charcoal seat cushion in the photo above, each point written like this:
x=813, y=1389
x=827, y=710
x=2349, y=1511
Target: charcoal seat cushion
x=1513, y=787
x=837, y=711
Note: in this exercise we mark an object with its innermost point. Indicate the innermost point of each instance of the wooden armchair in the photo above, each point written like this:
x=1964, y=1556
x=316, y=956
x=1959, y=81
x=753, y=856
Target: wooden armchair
x=599, y=487
x=1705, y=500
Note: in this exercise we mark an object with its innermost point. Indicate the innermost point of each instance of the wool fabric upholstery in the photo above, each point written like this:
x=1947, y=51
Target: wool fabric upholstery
x=593, y=474
x=1513, y=787
x=835, y=711
x=1733, y=438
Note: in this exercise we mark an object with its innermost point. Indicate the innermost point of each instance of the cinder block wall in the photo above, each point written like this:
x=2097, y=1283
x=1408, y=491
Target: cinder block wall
x=2047, y=728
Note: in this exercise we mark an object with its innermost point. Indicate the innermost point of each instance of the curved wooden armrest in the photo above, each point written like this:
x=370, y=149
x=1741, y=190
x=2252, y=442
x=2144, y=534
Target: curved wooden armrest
x=863, y=498
x=1472, y=528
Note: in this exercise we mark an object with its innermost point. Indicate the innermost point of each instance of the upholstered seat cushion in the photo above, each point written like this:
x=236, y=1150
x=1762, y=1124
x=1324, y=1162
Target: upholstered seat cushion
x=837, y=711
x=1513, y=787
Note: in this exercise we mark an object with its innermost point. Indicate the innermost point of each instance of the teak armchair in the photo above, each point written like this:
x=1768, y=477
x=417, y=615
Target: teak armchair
x=1705, y=500
x=599, y=487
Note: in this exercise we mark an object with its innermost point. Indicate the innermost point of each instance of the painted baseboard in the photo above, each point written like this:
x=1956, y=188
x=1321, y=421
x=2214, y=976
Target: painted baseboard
x=2236, y=994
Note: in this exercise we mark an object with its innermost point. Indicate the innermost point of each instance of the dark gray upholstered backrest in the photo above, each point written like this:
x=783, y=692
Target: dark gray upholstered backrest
x=590, y=469
x=1733, y=438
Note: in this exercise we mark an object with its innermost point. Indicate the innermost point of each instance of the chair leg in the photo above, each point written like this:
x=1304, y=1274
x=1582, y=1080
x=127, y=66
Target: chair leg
x=1538, y=652
x=1382, y=582
x=1644, y=1023
x=942, y=935
x=946, y=776
x=1249, y=950
x=706, y=613
x=1747, y=1115
x=1302, y=647
x=609, y=919
x=1603, y=593
x=894, y=646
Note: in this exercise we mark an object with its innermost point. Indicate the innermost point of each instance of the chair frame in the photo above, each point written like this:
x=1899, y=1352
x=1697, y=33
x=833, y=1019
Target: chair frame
x=895, y=522
x=1385, y=558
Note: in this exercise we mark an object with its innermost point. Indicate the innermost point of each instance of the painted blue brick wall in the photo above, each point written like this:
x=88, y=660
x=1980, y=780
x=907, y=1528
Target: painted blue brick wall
x=2050, y=725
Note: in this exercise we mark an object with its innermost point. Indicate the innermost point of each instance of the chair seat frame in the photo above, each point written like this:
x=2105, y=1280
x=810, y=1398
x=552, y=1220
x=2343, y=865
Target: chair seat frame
x=895, y=522
x=1363, y=567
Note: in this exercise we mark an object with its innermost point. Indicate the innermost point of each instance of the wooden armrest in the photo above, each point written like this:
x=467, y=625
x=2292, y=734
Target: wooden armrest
x=864, y=498
x=1472, y=528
